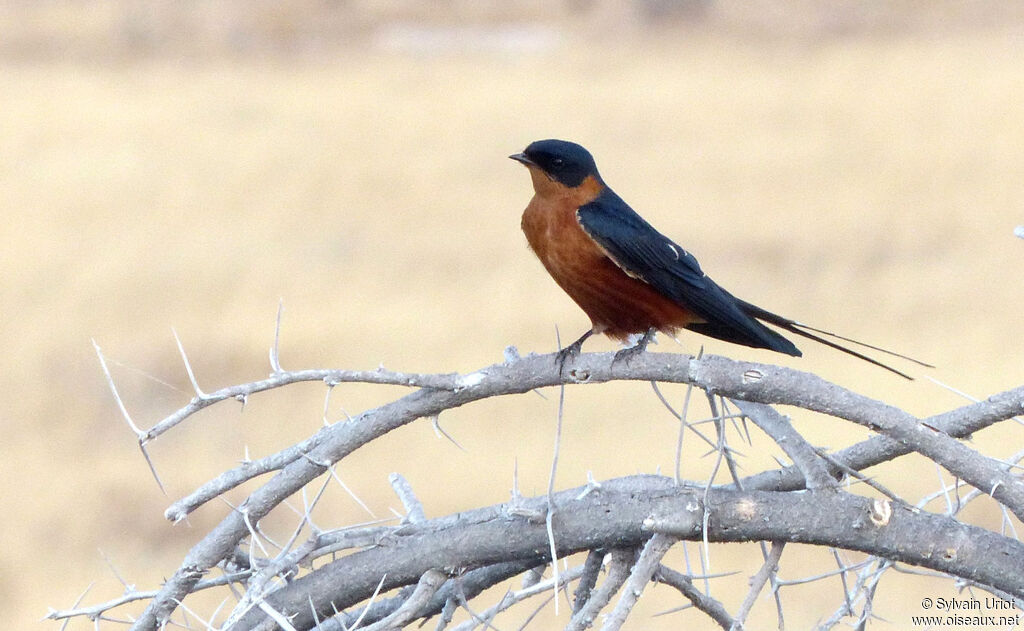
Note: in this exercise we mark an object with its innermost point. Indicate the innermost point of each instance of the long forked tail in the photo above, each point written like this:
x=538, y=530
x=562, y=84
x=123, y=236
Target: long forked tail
x=815, y=334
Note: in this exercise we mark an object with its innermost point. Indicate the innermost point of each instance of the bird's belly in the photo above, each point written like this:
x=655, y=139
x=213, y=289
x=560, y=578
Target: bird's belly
x=616, y=303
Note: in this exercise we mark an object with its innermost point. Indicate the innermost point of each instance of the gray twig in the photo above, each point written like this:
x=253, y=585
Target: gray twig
x=711, y=606
x=419, y=600
x=413, y=507
x=644, y=568
x=514, y=597
x=591, y=569
x=803, y=455
x=619, y=562
x=770, y=566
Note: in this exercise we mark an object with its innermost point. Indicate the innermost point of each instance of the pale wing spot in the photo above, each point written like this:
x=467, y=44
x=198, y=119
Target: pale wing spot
x=703, y=274
x=674, y=250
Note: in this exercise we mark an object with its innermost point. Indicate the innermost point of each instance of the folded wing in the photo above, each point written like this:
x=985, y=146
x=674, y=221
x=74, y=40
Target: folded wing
x=644, y=253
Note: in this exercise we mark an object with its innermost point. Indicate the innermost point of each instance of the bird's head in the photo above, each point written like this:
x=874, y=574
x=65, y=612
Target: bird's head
x=561, y=161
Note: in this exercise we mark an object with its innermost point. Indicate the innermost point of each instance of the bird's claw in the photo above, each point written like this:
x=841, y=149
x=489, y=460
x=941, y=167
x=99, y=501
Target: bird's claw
x=639, y=348
x=570, y=351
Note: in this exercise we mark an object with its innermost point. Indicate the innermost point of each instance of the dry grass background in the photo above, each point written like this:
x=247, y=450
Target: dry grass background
x=861, y=178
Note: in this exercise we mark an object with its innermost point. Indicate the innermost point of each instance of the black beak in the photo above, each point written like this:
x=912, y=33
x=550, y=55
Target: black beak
x=521, y=157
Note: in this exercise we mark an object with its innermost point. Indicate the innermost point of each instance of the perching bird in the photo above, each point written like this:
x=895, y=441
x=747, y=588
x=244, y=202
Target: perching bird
x=628, y=277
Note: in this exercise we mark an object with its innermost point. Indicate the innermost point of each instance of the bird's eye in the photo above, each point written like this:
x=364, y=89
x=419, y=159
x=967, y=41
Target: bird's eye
x=557, y=162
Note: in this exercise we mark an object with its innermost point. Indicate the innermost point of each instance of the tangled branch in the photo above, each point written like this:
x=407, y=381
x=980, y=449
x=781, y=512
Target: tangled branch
x=626, y=524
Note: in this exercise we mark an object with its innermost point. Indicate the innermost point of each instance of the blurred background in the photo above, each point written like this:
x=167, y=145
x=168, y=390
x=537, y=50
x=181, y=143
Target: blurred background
x=855, y=165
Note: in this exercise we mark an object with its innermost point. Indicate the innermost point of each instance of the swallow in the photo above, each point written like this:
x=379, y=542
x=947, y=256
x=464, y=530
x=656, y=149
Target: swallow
x=631, y=279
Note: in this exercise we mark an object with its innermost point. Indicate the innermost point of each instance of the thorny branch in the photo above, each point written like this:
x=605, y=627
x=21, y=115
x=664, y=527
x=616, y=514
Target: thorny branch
x=636, y=519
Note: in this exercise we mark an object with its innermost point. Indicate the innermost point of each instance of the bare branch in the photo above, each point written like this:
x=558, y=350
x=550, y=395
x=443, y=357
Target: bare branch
x=770, y=566
x=712, y=607
x=841, y=467
x=799, y=450
x=418, y=601
x=312, y=458
x=627, y=510
x=470, y=584
x=958, y=423
x=130, y=596
x=413, y=507
x=511, y=598
x=619, y=562
x=644, y=568
x=330, y=377
x=591, y=569
x=777, y=385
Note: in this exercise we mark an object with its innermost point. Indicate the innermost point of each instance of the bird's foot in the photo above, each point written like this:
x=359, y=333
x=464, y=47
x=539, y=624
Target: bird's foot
x=572, y=350
x=627, y=354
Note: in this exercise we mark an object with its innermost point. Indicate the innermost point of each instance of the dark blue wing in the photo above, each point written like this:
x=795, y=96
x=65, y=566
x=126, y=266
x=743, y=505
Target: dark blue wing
x=643, y=252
